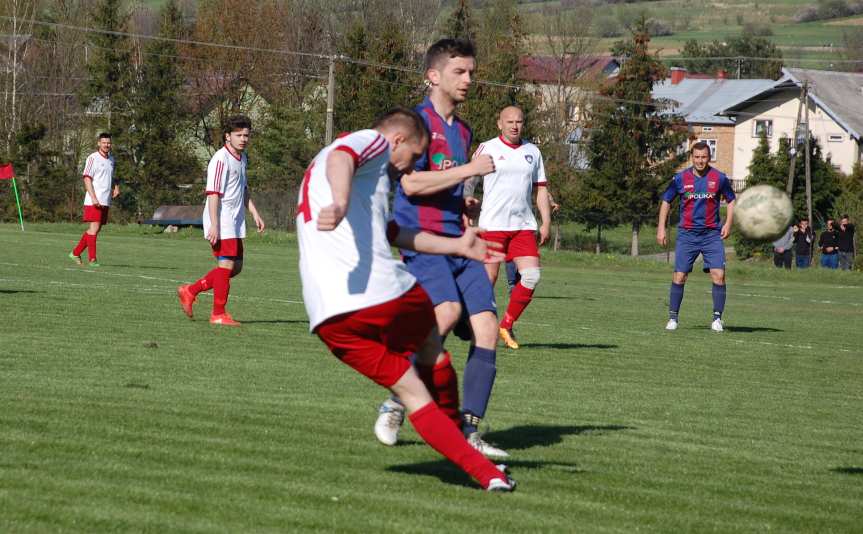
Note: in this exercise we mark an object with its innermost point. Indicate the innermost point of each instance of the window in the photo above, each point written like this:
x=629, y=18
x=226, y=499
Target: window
x=712, y=144
x=763, y=127
x=707, y=128
x=835, y=138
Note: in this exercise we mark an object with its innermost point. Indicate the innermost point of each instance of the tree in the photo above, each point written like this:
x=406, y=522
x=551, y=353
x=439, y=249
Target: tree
x=288, y=140
x=570, y=45
x=634, y=140
x=109, y=82
x=460, y=23
x=160, y=158
x=772, y=169
x=742, y=57
x=500, y=44
x=365, y=90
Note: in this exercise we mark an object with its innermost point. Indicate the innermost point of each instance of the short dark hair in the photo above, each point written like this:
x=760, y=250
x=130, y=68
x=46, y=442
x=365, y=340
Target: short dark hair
x=104, y=135
x=701, y=145
x=407, y=119
x=845, y=216
x=237, y=122
x=448, y=48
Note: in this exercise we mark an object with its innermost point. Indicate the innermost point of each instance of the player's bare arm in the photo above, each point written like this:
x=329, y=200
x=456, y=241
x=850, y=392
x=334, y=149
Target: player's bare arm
x=661, y=236
x=88, y=186
x=256, y=216
x=213, y=208
x=422, y=183
x=469, y=245
x=729, y=218
x=116, y=191
x=544, y=206
x=340, y=170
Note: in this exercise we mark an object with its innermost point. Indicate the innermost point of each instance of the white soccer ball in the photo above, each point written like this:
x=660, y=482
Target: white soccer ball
x=763, y=212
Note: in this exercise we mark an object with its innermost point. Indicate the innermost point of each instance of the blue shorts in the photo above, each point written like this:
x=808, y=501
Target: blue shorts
x=453, y=279
x=691, y=243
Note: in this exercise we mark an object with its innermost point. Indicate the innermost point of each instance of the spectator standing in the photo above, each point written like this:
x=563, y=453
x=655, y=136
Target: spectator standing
x=847, y=246
x=829, y=243
x=782, y=249
x=803, y=238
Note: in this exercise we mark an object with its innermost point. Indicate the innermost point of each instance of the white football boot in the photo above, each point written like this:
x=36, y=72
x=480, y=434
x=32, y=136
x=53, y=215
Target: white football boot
x=716, y=325
x=503, y=485
x=671, y=324
x=391, y=416
x=482, y=446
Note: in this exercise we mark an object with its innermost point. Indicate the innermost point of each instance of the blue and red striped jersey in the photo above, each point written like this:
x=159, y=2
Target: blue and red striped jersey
x=449, y=146
x=699, y=197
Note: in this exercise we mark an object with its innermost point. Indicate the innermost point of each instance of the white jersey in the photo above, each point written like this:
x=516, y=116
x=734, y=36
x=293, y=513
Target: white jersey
x=351, y=267
x=101, y=170
x=507, y=193
x=226, y=176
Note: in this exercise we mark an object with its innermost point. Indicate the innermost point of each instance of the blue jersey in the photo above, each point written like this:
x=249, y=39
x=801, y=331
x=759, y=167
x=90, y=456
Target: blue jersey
x=441, y=212
x=699, y=197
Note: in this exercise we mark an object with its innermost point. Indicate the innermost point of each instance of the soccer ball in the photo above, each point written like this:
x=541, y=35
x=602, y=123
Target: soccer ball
x=763, y=213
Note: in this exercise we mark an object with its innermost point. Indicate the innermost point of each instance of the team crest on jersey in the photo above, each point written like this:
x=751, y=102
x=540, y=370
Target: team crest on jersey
x=711, y=184
x=529, y=158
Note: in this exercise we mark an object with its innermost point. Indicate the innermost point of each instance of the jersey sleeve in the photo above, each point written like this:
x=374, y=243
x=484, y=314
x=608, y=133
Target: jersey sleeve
x=671, y=191
x=88, y=167
x=217, y=172
x=362, y=146
x=479, y=150
x=539, y=172
x=726, y=189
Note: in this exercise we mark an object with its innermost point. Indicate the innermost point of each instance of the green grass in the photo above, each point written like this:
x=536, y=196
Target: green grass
x=119, y=414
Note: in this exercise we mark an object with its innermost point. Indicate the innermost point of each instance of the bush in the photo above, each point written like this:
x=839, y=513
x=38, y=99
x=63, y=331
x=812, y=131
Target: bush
x=757, y=29
x=658, y=28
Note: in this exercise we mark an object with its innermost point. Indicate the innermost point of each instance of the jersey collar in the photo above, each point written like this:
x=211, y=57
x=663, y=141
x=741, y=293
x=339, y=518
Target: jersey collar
x=228, y=149
x=507, y=143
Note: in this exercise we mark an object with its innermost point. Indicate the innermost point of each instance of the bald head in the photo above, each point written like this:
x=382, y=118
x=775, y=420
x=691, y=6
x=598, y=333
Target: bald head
x=511, y=124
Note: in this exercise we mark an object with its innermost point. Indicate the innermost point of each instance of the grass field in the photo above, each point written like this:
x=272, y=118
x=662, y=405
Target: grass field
x=119, y=414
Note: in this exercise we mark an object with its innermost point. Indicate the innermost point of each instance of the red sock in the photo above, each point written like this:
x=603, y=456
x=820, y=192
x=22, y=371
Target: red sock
x=443, y=436
x=82, y=244
x=518, y=301
x=441, y=381
x=204, y=284
x=221, y=287
x=91, y=246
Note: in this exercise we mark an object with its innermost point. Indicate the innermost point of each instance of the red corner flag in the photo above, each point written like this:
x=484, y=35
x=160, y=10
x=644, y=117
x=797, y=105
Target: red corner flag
x=7, y=172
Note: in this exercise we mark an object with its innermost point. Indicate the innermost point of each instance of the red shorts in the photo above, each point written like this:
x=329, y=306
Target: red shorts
x=516, y=243
x=97, y=214
x=229, y=248
x=379, y=340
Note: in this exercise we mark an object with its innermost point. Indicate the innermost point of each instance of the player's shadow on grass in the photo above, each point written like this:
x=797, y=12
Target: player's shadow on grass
x=527, y=436
x=450, y=474
x=553, y=297
x=11, y=291
x=751, y=329
x=848, y=470
x=567, y=346
x=278, y=321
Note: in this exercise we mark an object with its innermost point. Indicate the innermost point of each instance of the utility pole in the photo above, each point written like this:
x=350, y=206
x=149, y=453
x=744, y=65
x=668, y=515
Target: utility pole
x=331, y=99
x=792, y=169
x=739, y=62
x=808, y=166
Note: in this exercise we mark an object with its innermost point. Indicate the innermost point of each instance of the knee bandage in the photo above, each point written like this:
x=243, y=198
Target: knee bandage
x=530, y=277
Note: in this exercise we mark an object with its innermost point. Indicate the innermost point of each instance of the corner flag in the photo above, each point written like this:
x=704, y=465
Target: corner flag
x=7, y=172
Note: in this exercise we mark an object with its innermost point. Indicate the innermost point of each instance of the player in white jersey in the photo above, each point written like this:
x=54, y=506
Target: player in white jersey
x=225, y=220
x=99, y=190
x=507, y=214
x=364, y=304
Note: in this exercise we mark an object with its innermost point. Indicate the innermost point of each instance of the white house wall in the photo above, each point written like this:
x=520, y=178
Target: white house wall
x=781, y=108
